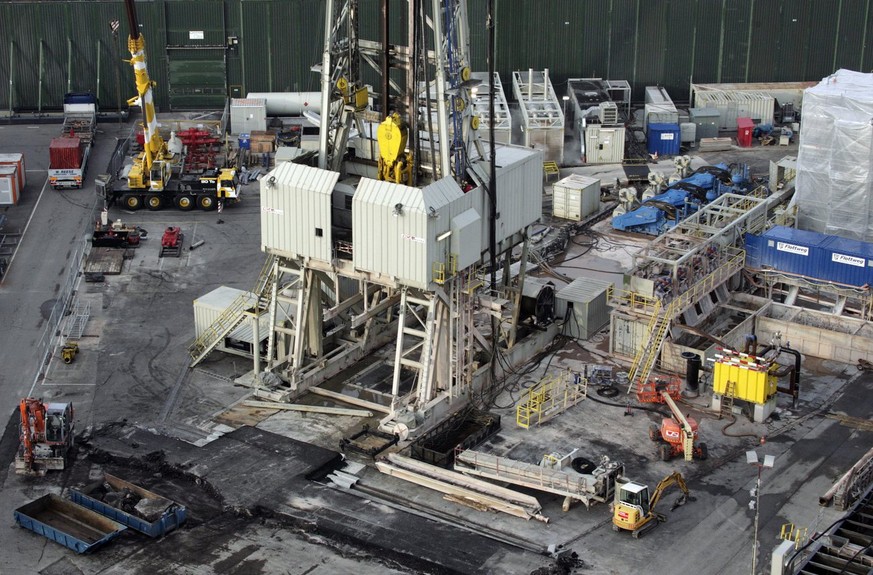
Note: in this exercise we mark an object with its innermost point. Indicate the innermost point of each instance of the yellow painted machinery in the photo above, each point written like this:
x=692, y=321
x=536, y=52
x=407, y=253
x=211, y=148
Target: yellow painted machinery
x=153, y=180
x=395, y=163
x=634, y=510
x=69, y=351
x=754, y=378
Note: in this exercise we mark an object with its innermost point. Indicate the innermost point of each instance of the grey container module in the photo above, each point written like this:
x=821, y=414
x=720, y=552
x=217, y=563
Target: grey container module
x=707, y=121
x=575, y=197
x=688, y=132
x=584, y=305
x=248, y=115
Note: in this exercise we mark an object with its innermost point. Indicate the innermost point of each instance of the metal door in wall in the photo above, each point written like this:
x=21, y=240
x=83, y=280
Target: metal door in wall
x=197, y=79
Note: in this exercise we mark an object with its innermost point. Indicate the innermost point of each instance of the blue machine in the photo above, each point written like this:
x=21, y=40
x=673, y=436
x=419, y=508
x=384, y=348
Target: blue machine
x=660, y=213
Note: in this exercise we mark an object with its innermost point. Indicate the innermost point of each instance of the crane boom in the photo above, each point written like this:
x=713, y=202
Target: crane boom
x=687, y=431
x=154, y=146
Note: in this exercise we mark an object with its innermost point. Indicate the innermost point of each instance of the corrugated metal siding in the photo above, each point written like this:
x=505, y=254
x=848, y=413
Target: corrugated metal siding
x=847, y=261
x=789, y=250
x=590, y=309
x=735, y=41
x=293, y=207
x=519, y=191
x=389, y=244
x=183, y=18
x=852, y=18
x=644, y=42
x=767, y=41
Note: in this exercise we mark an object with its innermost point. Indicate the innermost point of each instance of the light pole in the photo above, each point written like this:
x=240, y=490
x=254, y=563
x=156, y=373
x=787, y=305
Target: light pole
x=752, y=459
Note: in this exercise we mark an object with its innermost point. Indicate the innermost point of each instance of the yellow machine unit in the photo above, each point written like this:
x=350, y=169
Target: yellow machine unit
x=753, y=377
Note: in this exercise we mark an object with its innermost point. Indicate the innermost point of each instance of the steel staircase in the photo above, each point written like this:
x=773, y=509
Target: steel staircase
x=234, y=314
x=647, y=355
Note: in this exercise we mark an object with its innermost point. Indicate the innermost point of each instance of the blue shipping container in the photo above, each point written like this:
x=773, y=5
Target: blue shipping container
x=172, y=517
x=847, y=261
x=788, y=250
x=663, y=139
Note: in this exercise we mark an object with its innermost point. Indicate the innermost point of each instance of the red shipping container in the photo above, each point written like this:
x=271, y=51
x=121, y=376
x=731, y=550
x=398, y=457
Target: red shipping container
x=16, y=160
x=744, y=132
x=65, y=153
x=9, y=190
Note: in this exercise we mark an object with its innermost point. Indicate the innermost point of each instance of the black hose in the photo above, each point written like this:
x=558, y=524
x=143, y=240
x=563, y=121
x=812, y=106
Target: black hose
x=624, y=406
x=733, y=421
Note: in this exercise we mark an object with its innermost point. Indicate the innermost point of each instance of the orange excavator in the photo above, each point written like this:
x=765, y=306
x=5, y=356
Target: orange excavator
x=46, y=434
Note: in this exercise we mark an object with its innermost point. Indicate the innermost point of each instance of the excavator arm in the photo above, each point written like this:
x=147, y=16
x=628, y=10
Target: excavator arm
x=32, y=413
x=674, y=478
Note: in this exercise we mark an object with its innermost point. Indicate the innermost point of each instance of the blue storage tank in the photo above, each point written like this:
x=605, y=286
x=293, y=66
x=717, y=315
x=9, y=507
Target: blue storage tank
x=788, y=250
x=847, y=261
x=663, y=139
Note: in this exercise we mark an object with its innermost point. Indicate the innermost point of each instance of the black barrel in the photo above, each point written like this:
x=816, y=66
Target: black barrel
x=692, y=373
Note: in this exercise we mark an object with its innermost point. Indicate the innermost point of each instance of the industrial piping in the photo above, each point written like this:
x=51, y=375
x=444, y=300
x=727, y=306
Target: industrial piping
x=794, y=385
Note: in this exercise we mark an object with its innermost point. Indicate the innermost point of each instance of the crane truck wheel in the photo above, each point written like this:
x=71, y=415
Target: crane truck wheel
x=154, y=202
x=654, y=433
x=206, y=202
x=132, y=202
x=184, y=202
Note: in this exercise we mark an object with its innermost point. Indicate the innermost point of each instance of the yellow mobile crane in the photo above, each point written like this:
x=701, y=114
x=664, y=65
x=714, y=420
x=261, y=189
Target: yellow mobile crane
x=151, y=169
x=151, y=180
x=634, y=510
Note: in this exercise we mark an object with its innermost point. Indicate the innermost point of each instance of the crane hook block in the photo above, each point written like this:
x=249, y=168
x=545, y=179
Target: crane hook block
x=392, y=135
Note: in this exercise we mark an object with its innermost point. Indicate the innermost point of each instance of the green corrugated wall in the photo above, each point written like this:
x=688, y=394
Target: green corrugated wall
x=47, y=48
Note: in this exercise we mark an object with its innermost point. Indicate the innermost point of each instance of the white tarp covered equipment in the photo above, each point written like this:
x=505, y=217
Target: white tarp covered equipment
x=835, y=159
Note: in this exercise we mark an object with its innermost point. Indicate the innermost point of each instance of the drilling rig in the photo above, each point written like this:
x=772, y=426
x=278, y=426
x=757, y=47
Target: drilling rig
x=385, y=239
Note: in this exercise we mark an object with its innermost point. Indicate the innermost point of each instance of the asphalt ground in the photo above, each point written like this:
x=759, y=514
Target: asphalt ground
x=135, y=400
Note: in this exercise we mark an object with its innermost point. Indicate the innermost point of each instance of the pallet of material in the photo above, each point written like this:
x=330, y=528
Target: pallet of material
x=106, y=261
x=262, y=141
x=716, y=144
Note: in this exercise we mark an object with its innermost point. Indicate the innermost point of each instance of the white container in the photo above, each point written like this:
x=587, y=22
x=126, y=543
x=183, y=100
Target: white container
x=736, y=104
x=585, y=299
x=604, y=145
x=9, y=189
x=576, y=197
x=210, y=306
x=248, y=115
x=17, y=160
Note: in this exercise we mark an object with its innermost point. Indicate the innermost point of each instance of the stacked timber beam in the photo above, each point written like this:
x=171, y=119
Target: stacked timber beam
x=462, y=489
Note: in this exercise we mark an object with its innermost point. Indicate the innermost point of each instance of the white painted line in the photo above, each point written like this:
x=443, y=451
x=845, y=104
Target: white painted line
x=68, y=385
x=27, y=225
